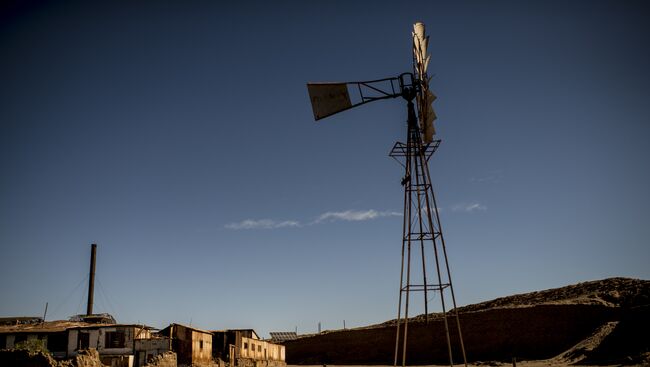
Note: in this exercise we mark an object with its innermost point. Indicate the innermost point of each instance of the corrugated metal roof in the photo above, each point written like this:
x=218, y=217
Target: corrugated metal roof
x=20, y=320
x=45, y=327
x=280, y=336
x=56, y=326
x=187, y=327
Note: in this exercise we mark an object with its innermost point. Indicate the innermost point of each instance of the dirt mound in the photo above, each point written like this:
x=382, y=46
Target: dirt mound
x=613, y=292
x=25, y=358
x=627, y=343
x=603, y=321
x=586, y=347
x=87, y=358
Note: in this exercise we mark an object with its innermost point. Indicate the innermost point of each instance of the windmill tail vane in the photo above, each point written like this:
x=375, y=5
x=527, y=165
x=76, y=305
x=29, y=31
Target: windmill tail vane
x=328, y=99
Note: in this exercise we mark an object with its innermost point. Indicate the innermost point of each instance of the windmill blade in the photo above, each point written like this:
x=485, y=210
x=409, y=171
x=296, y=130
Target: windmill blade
x=428, y=117
x=418, y=30
x=425, y=97
x=426, y=65
x=420, y=46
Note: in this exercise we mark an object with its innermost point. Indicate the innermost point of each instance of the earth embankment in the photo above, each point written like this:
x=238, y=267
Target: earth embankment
x=532, y=326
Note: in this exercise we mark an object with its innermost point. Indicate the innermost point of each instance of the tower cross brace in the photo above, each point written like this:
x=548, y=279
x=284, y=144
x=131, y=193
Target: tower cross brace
x=421, y=229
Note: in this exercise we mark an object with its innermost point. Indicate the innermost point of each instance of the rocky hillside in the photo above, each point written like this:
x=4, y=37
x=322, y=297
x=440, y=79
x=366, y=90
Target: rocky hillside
x=605, y=321
x=613, y=292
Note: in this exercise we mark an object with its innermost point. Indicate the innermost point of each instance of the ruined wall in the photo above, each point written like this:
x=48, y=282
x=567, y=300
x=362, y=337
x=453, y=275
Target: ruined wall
x=126, y=346
x=221, y=344
x=112, y=340
x=261, y=350
x=166, y=359
x=247, y=362
x=87, y=358
x=149, y=349
x=537, y=332
x=117, y=360
x=54, y=342
x=23, y=358
x=182, y=344
x=201, y=348
x=192, y=347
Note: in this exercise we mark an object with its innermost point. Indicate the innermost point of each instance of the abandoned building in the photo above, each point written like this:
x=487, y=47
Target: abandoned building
x=192, y=346
x=131, y=345
x=53, y=334
x=115, y=343
x=244, y=348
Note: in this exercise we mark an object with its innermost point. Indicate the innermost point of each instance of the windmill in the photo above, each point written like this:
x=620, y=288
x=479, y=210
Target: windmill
x=421, y=230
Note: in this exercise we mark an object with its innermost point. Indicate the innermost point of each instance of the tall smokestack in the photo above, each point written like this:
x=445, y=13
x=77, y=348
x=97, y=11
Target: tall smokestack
x=91, y=282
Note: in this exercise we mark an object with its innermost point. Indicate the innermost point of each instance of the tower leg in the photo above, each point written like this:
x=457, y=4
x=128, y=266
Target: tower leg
x=421, y=226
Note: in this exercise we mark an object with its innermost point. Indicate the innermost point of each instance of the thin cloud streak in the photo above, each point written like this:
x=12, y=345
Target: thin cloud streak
x=469, y=208
x=328, y=217
x=354, y=216
x=262, y=224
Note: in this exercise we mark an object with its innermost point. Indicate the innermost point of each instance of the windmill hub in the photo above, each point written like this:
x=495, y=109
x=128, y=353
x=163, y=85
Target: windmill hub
x=409, y=93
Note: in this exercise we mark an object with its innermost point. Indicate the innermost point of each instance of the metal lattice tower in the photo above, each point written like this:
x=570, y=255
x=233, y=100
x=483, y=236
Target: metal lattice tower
x=421, y=227
x=422, y=233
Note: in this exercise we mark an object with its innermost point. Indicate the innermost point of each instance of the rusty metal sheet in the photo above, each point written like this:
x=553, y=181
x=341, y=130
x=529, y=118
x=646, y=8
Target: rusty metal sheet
x=328, y=98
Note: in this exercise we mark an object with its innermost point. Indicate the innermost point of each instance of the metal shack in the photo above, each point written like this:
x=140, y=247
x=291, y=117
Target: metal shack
x=193, y=346
x=244, y=348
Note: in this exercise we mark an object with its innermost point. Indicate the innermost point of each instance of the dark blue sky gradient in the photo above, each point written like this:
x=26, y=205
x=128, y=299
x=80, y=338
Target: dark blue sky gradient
x=152, y=127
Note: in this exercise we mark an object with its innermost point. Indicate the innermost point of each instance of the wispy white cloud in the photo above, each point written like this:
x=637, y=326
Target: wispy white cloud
x=354, y=215
x=469, y=207
x=262, y=224
x=348, y=215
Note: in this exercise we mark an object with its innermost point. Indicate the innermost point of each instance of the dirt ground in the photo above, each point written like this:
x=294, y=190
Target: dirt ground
x=543, y=363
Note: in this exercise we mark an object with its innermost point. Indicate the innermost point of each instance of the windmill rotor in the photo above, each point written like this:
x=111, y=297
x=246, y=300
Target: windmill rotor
x=425, y=97
x=330, y=98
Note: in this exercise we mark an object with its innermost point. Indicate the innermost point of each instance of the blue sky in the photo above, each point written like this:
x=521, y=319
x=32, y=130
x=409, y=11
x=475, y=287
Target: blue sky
x=179, y=137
